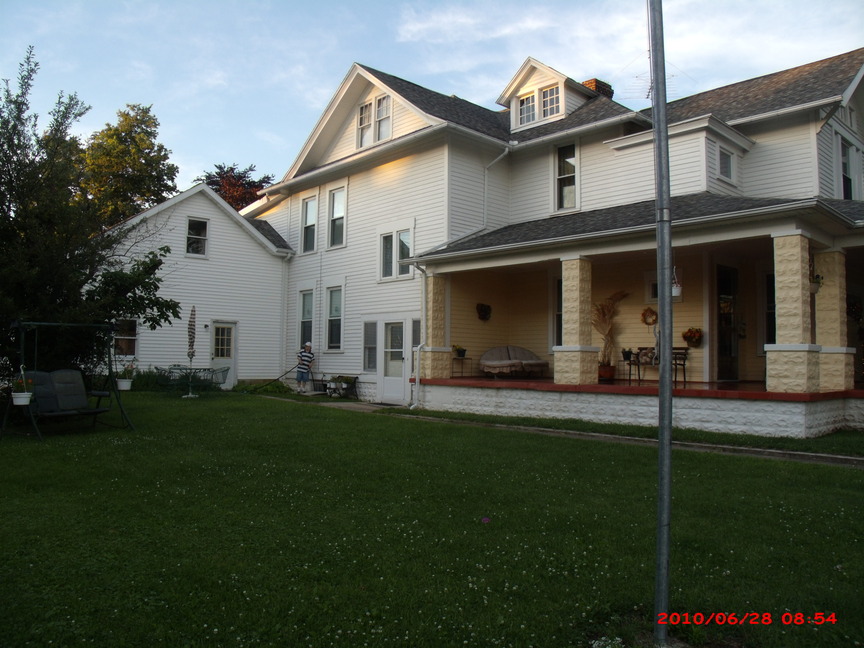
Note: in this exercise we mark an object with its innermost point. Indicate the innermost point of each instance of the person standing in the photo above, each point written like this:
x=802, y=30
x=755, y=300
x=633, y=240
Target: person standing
x=305, y=358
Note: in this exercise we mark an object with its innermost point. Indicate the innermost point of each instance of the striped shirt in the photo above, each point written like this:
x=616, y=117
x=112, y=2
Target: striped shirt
x=304, y=360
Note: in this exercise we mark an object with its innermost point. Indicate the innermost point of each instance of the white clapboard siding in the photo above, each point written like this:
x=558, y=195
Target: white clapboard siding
x=826, y=147
x=407, y=193
x=404, y=121
x=783, y=161
x=239, y=281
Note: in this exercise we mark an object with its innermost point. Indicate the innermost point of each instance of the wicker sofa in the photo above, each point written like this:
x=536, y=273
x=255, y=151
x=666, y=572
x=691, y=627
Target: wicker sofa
x=511, y=360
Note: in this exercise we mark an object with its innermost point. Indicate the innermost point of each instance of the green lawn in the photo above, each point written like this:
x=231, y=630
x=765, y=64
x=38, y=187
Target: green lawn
x=236, y=520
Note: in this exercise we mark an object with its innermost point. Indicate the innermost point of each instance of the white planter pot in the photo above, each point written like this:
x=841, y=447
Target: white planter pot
x=21, y=398
x=124, y=384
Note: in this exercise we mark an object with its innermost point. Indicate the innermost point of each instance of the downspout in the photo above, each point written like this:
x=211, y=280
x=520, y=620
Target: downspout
x=415, y=401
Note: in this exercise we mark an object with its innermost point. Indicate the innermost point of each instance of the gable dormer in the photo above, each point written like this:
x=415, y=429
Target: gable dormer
x=538, y=94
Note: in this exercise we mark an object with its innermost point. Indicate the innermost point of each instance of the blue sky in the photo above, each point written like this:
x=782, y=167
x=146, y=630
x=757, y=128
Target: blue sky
x=245, y=81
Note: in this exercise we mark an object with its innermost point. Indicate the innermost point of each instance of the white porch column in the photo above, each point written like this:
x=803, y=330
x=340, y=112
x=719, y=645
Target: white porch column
x=793, y=362
x=576, y=359
x=836, y=360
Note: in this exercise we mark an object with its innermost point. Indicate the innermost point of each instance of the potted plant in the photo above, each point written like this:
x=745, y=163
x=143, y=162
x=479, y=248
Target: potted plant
x=603, y=319
x=22, y=389
x=459, y=351
x=692, y=336
x=125, y=375
x=627, y=354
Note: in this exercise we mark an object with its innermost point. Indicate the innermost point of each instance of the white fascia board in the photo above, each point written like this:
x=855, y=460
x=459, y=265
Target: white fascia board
x=813, y=105
x=707, y=123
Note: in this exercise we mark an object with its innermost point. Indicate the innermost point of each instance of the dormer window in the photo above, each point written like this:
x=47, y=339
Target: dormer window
x=374, y=121
x=527, y=109
x=725, y=165
x=551, y=101
x=539, y=105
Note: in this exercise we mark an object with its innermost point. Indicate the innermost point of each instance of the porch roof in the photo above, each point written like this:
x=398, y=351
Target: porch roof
x=636, y=217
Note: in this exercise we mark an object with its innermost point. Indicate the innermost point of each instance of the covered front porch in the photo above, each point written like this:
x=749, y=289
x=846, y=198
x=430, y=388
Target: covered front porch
x=779, y=308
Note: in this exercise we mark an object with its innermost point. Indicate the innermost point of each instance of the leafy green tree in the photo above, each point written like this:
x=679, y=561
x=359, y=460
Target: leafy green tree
x=125, y=169
x=56, y=261
x=236, y=186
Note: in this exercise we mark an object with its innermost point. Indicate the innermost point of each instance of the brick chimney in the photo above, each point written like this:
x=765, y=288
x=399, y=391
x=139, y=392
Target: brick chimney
x=600, y=87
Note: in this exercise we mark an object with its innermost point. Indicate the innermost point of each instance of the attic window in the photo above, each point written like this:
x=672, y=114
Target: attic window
x=551, y=101
x=527, y=109
x=369, y=133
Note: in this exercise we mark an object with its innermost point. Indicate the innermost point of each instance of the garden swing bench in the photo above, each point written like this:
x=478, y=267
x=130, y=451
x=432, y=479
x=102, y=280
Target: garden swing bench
x=61, y=393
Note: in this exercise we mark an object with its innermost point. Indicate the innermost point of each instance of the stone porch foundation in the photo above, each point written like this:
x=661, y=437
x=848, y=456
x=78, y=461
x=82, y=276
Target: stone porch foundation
x=760, y=413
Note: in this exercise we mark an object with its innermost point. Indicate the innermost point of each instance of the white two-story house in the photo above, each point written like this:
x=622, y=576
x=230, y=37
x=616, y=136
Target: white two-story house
x=416, y=221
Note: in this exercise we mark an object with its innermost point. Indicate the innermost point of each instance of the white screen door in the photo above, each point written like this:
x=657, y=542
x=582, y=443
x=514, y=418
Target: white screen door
x=394, y=362
x=223, y=354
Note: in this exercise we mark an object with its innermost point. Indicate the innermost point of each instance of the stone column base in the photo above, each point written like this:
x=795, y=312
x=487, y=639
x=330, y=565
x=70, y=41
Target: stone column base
x=435, y=363
x=836, y=368
x=792, y=368
x=576, y=365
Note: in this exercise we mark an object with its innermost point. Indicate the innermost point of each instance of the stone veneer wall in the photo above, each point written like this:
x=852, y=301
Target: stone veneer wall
x=763, y=417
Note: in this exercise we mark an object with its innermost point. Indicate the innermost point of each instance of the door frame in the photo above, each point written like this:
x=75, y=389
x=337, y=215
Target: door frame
x=217, y=363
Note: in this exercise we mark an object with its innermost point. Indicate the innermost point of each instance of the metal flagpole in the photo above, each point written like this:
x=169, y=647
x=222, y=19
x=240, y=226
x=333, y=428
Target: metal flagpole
x=664, y=294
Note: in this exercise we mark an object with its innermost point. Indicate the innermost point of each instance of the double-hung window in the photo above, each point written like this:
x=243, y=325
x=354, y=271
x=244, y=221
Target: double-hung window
x=364, y=125
x=370, y=346
x=334, y=318
x=306, y=310
x=196, y=237
x=126, y=337
x=551, y=101
x=725, y=165
x=566, y=177
x=846, y=190
x=527, y=109
x=337, y=217
x=382, y=118
x=395, y=247
x=374, y=121
x=310, y=217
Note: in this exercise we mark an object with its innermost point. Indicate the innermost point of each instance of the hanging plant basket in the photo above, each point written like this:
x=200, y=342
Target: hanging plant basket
x=21, y=398
x=124, y=384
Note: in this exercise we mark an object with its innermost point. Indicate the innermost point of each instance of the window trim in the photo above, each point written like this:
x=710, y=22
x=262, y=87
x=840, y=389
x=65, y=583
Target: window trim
x=364, y=125
x=120, y=337
x=370, y=121
x=546, y=111
x=558, y=177
x=331, y=219
x=725, y=153
x=190, y=238
x=304, y=226
x=385, y=118
x=330, y=346
x=398, y=271
x=311, y=328
x=525, y=103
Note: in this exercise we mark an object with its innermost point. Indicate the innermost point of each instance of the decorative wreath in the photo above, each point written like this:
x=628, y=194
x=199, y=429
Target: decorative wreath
x=649, y=316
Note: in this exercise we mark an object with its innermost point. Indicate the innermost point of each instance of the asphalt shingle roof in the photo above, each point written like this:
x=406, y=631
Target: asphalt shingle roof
x=625, y=217
x=266, y=230
x=794, y=87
